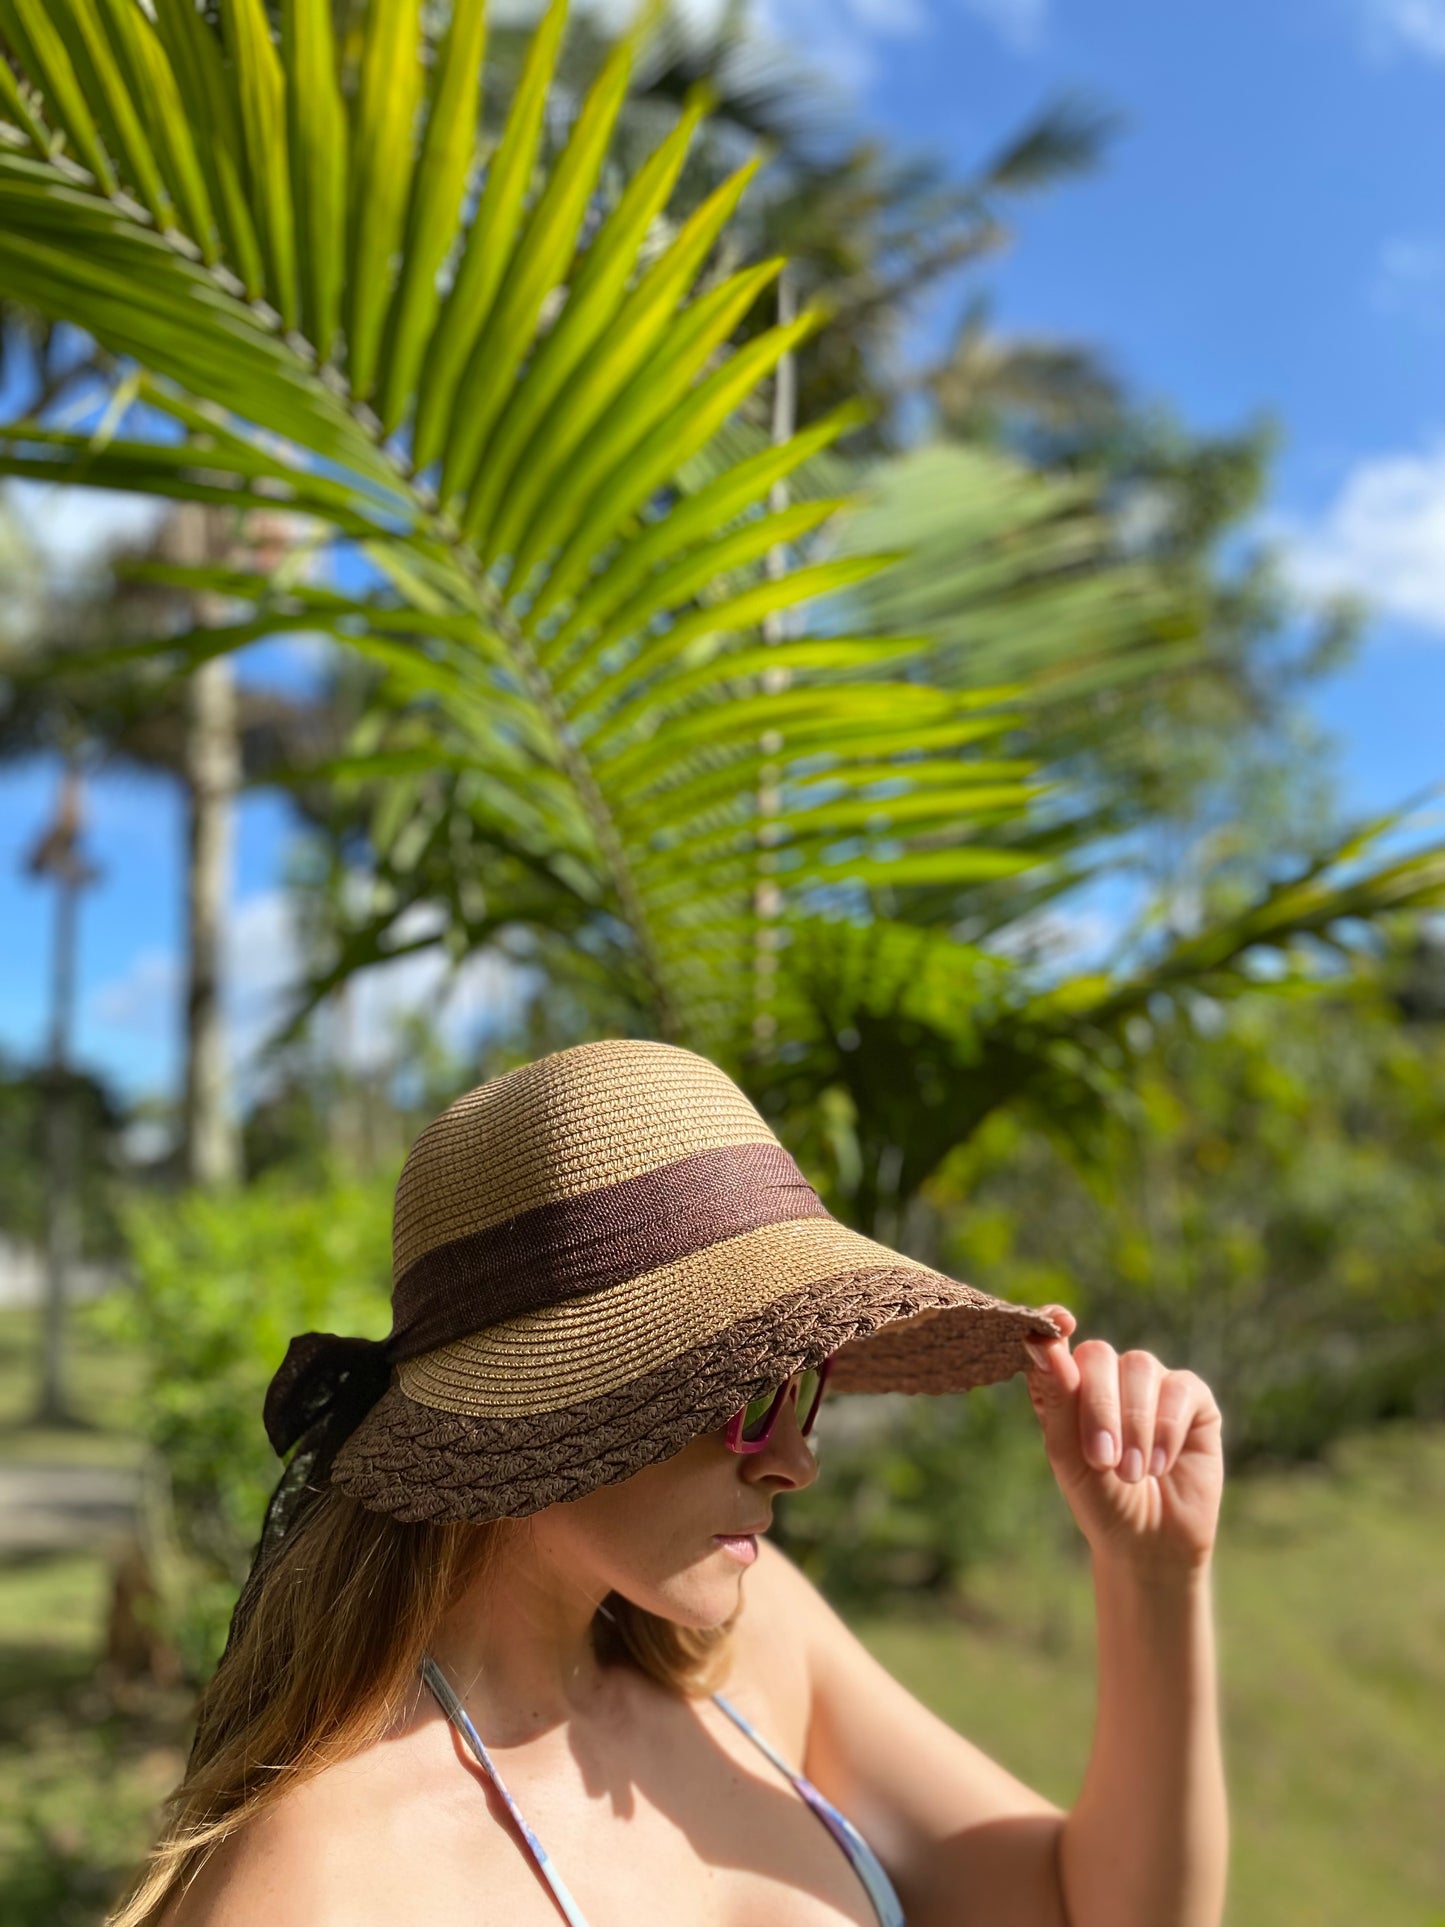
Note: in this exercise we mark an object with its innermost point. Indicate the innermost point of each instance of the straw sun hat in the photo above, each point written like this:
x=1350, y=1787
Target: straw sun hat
x=597, y=1257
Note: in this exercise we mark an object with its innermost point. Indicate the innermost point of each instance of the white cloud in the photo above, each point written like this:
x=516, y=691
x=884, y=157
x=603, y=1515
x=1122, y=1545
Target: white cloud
x=265, y=961
x=1059, y=935
x=846, y=36
x=262, y=967
x=1417, y=26
x=74, y=527
x=143, y=998
x=485, y=990
x=840, y=37
x=1383, y=537
x=845, y=39
x=1409, y=280
x=1020, y=24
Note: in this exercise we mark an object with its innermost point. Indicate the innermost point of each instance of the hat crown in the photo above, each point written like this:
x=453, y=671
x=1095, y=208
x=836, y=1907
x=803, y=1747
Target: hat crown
x=573, y=1122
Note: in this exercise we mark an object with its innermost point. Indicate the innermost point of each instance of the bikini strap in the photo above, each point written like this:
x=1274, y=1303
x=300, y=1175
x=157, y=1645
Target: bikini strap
x=459, y=1717
x=866, y=1864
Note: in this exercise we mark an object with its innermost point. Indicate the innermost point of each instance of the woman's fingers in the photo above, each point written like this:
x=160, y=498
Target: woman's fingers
x=1118, y=1409
x=1129, y=1408
x=1100, y=1412
x=1132, y=1414
x=1098, y=1408
x=1051, y=1355
x=1181, y=1395
x=1140, y=1377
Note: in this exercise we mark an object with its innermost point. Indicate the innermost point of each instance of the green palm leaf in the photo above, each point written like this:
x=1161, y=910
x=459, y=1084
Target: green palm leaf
x=316, y=137
x=539, y=264
x=259, y=91
x=488, y=245
x=519, y=394
x=381, y=168
x=438, y=188
x=197, y=66
x=16, y=108
x=40, y=47
x=112, y=91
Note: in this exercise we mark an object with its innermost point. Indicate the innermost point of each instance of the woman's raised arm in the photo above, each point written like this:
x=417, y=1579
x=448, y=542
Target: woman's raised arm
x=1146, y=1842
x=1137, y=1452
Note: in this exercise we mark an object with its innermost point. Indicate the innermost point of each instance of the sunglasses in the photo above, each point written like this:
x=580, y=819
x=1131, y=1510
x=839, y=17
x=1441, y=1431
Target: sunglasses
x=750, y=1429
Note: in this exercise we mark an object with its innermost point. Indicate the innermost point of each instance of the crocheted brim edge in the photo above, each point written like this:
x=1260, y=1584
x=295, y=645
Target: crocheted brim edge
x=891, y=1329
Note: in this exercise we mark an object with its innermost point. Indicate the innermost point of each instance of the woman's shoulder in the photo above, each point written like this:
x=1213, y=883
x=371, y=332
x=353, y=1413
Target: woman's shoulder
x=339, y=1847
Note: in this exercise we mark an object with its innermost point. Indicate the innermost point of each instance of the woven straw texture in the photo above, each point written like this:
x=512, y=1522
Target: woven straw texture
x=559, y=1128
x=421, y=1462
x=603, y=1254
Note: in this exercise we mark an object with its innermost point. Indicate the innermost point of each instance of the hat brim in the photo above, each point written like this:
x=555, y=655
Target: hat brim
x=551, y=1405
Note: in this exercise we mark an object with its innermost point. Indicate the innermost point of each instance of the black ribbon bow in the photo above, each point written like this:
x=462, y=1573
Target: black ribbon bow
x=324, y=1377
x=320, y=1392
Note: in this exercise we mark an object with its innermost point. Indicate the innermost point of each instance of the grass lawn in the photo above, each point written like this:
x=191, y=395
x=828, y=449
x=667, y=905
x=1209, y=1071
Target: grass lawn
x=79, y=1775
x=1330, y=1587
x=101, y=1382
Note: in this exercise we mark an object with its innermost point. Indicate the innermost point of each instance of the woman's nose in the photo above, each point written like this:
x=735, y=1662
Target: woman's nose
x=787, y=1455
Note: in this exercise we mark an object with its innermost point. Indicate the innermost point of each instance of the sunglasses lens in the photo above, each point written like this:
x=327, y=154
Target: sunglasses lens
x=757, y=1416
x=760, y=1413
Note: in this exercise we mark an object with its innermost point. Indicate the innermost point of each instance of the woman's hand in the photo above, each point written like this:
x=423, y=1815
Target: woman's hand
x=1136, y=1449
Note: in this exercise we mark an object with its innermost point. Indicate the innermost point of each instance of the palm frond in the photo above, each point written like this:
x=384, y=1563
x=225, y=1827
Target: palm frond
x=517, y=384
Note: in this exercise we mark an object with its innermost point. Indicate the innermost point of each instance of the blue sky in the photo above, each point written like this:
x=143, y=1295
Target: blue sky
x=1267, y=235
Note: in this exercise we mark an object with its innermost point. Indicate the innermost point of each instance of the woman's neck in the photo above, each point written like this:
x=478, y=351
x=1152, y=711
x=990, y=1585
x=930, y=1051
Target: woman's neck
x=518, y=1648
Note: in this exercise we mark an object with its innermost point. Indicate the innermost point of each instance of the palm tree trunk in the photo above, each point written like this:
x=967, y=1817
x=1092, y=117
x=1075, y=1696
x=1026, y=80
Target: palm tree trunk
x=58, y=854
x=212, y=770
x=62, y=1220
x=212, y=776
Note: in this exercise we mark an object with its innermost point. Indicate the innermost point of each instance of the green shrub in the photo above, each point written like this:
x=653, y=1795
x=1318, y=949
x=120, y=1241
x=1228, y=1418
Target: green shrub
x=1269, y=1210
x=1270, y=1213
x=914, y=1494
x=220, y=1284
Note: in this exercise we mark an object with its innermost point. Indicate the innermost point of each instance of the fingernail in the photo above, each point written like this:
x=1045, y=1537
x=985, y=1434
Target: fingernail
x=1132, y=1468
x=1156, y=1461
x=1102, y=1449
x=1037, y=1355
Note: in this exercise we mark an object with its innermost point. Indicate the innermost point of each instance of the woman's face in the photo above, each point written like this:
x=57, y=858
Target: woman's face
x=661, y=1538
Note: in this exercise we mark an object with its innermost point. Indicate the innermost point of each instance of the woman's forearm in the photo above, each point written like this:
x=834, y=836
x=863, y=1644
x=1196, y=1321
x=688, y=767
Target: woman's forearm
x=1146, y=1843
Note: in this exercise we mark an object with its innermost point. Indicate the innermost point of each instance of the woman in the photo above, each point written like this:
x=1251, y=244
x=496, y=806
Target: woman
x=519, y=1544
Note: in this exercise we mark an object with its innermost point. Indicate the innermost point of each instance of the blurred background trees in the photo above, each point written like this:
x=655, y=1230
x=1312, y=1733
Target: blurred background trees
x=861, y=872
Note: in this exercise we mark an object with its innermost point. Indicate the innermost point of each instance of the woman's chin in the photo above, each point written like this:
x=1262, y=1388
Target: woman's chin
x=709, y=1600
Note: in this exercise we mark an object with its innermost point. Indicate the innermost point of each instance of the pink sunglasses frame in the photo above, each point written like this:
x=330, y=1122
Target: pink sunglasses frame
x=733, y=1432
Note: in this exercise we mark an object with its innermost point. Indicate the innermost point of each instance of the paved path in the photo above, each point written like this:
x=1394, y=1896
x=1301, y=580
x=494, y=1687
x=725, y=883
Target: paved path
x=65, y=1508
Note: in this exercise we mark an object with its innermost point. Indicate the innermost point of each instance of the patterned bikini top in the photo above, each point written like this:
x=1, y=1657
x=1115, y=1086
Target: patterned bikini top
x=866, y=1863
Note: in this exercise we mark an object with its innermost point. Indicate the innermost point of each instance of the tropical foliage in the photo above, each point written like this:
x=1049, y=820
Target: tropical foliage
x=262, y=233
x=1265, y=1204
x=507, y=378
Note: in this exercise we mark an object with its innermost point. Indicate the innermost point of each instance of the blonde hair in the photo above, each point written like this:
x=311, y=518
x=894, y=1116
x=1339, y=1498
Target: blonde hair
x=325, y=1662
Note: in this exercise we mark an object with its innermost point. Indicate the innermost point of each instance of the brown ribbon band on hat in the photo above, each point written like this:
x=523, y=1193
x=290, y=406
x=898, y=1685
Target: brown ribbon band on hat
x=603, y=1237
x=540, y=1257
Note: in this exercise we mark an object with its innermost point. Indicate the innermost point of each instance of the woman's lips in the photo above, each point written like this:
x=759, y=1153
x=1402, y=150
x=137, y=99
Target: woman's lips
x=742, y=1546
